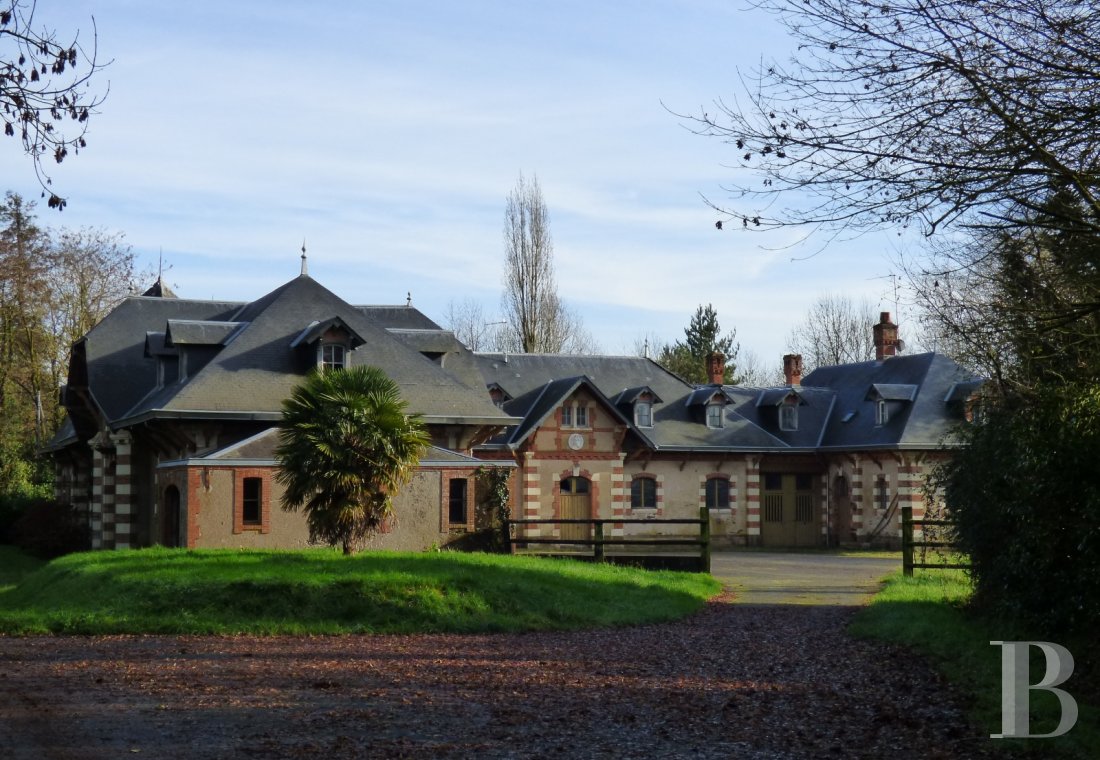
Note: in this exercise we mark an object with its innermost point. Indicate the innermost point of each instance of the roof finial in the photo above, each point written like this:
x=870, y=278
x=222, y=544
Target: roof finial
x=408, y=299
x=305, y=267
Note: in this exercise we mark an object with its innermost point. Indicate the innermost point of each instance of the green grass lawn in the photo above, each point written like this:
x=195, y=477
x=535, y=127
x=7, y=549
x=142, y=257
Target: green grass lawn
x=928, y=613
x=323, y=592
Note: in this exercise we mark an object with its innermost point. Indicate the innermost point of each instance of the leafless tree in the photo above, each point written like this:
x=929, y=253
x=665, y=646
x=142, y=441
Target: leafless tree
x=836, y=330
x=922, y=113
x=91, y=271
x=537, y=320
x=1023, y=309
x=467, y=320
x=751, y=371
x=45, y=98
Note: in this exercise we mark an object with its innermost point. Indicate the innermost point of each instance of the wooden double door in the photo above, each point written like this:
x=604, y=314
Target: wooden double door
x=790, y=514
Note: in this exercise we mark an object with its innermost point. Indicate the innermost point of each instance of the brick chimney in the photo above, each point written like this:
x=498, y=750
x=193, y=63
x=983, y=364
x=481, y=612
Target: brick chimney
x=792, y=369
x=886, y=337
x=716, y=368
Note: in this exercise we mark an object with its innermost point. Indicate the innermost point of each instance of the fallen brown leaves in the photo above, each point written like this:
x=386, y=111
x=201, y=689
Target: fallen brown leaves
x=732, y=681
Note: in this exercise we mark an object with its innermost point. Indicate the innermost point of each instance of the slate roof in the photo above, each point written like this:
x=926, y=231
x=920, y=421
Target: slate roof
x=403, y=317
x=246, y=365
x=921, y=423
x=259, y=450
x=117, y=370
x=538, y=383
x=836, y=405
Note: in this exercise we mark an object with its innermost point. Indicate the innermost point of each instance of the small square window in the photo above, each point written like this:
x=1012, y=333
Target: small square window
x=332, y=356
x=714, y=415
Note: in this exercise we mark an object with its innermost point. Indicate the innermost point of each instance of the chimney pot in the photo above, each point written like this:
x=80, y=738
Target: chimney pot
x=716, y=368
x=885, y=337
x=792, y=369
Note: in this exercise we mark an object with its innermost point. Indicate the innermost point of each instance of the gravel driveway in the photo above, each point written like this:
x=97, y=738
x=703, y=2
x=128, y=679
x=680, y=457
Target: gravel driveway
x=735, y=680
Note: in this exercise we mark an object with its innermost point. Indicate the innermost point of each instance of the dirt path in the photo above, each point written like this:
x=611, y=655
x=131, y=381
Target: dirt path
x=801, y=578
x=733, y=681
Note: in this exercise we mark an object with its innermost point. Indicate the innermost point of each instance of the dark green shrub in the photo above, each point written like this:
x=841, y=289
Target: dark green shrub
x=14, y=502
x=48, y=529
x=1026, y=495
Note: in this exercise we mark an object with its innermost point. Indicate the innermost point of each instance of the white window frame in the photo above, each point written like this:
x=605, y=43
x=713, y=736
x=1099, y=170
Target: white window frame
x=882, y=413
x=580, y=416
x=788, y=416
x=325, y=363
x=715, y=415
x=643, y=414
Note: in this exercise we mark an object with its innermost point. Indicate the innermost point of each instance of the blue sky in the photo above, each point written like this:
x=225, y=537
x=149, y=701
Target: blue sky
x=388, y=134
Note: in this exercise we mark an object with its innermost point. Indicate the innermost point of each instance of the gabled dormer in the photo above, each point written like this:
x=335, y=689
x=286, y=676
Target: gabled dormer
x=637, y=404
x=326, y=344
x=963, y=400
x=779, y=406
x=889, y=399
x=708, y=405
x=196, y=342
x=497, y=393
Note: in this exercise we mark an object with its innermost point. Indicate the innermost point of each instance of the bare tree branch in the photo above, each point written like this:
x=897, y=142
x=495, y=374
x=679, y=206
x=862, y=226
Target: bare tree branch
x=921, y=113
x=45, y=98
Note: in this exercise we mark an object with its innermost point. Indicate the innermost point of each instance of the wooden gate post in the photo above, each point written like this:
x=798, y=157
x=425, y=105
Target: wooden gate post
x=907, y=540
x=704, y=537
x=598, y=541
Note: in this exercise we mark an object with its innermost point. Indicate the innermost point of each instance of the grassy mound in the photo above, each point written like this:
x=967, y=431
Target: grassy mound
x=322, y=592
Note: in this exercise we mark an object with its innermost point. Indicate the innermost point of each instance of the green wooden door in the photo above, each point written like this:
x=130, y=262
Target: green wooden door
x=789, y=510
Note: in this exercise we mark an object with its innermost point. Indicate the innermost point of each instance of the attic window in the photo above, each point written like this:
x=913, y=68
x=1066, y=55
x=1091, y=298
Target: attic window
x=788, y=416
x=714, y=415
x=332, y=356
x=574, y=416
x=643, y=414
x=882, y=413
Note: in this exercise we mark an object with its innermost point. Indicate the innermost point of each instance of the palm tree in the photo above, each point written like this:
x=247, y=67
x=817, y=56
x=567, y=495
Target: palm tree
x=346, y=445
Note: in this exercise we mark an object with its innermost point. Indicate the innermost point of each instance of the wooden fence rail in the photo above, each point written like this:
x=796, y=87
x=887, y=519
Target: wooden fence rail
x=908, y=544
x=597, y=541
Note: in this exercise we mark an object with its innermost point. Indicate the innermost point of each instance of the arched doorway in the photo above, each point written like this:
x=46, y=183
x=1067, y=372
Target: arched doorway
x=170, y=523
x=576, y=504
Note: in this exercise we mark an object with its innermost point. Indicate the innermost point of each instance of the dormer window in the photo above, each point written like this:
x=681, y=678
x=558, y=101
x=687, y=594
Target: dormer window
x=643, y=414
x=788, y=416
x=333, y=356
x=714, y=415
x=882, y=413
